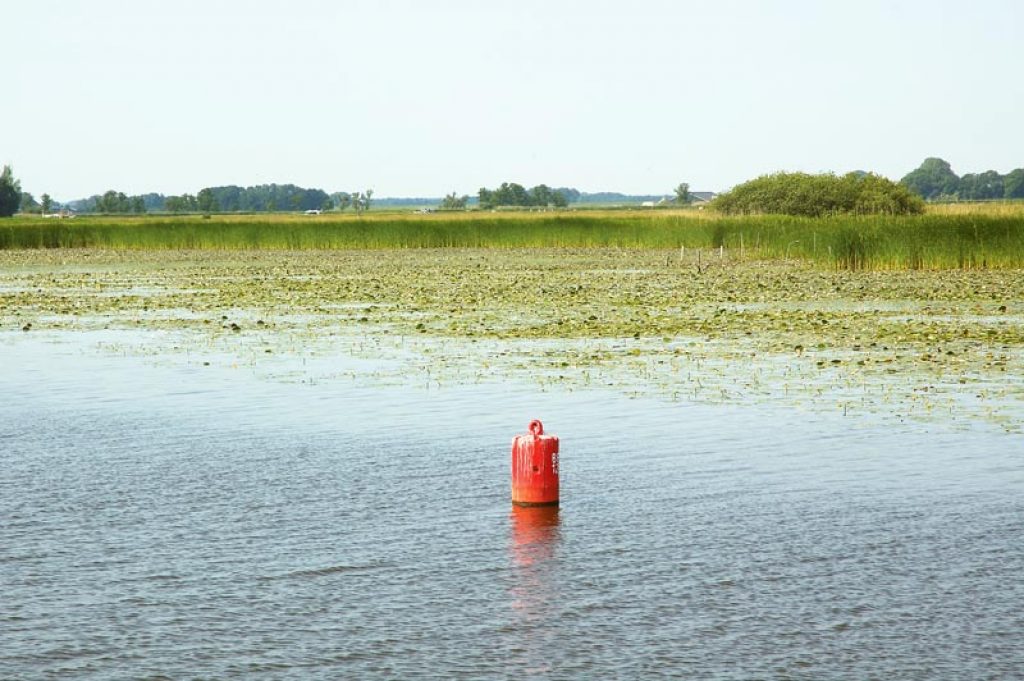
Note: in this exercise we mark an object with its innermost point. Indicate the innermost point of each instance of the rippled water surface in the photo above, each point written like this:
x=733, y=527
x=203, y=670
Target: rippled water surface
x=166, y=519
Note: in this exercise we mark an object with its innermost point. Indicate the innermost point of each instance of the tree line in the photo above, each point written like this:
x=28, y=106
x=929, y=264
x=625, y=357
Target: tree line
x=935, y=181
x=796, y=193
x=228, y=199
x=512, y=194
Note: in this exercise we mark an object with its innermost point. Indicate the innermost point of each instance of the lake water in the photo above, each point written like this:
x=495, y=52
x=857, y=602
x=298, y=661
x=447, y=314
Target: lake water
x=164, y=519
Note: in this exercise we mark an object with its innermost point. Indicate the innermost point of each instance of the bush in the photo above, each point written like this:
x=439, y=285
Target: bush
x=819, y=195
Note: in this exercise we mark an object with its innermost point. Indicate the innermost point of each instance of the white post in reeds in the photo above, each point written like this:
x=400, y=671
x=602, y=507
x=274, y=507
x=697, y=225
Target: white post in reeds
x=682, y=252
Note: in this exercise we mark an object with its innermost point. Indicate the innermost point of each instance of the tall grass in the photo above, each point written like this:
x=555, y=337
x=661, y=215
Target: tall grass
x=932, y=241
x=1004, y=208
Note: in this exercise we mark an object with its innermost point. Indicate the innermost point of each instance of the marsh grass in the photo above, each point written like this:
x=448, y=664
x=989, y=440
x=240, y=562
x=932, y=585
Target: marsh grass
x=937, y=240
x=1003, y=208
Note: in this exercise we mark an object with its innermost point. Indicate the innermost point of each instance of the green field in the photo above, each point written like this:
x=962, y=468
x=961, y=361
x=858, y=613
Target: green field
x=988, y=238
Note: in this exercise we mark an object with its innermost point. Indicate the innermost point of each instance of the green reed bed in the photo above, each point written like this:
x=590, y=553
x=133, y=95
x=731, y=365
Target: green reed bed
x=844, y=242
x=881, y=243
x=392, y=232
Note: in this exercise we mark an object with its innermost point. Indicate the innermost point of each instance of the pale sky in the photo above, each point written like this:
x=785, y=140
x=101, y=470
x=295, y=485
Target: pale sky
x=425, y=97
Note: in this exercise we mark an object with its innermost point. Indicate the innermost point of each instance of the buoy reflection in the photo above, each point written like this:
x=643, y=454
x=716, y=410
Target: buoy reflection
x=535, y=538
x=535, y=533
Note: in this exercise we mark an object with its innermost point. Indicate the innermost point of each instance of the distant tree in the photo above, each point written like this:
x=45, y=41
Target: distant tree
x=571, y=195
x=112, y=202
x=361, y=200
x=486, y=198
x=934, y=178
x=180, y=204
x=1013, y=184
x=968, y=187
x=152, y=202
x=683, y=197
x=28, y=203
x=509, y=194
x=454, y=202
x=46, y=203
x=313, y=198
x=540, y=195
x=138, y=205
x=327, y=204
x=266, y=197
x=10, y=193
x=206, y=201
x=517, y=195
x=980, y=186
x=231, y=198
x=342, y=200
x=989, y=185
x=512, y=194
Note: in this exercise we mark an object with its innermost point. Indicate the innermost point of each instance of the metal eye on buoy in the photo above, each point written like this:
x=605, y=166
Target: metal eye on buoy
x=535, y=468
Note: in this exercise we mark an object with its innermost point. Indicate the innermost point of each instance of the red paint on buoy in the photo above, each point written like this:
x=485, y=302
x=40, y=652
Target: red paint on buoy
x=535, y=468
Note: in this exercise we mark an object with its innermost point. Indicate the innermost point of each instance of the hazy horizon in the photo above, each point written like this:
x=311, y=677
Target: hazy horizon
x=419, y=99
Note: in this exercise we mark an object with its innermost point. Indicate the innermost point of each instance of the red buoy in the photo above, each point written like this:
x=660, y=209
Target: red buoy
x=535, y=468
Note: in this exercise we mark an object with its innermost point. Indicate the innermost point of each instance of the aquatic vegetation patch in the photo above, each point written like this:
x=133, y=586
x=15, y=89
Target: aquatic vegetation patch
x=911, y=343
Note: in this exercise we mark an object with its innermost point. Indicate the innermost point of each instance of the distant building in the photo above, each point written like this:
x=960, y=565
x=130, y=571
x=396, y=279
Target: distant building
x=696, y=199
x=62, y=213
